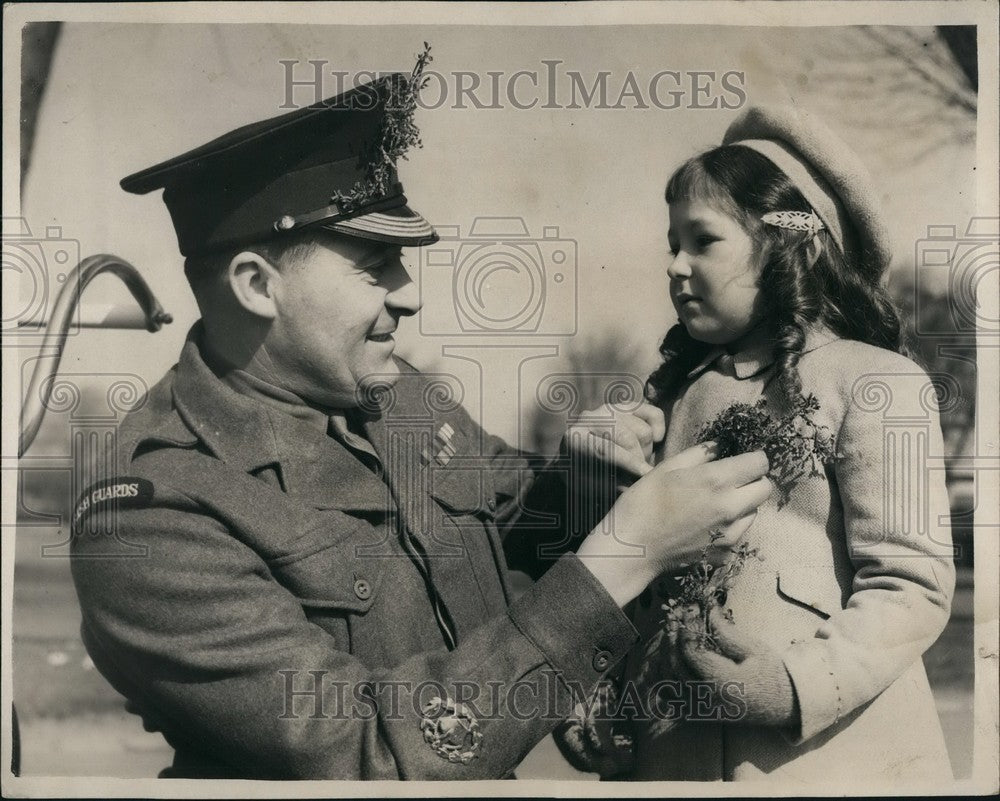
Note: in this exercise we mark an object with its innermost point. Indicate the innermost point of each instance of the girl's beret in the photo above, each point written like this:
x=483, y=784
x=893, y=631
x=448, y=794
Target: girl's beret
x=829, y=174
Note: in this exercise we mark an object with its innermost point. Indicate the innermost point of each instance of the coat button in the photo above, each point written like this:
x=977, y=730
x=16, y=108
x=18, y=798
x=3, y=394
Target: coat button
x=362, y=589
x=602, y=661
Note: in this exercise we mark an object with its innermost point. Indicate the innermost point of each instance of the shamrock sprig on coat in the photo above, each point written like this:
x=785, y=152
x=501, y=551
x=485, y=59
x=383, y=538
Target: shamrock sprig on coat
x=796, y=446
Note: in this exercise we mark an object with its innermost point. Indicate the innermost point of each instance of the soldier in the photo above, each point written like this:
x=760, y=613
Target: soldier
x=321, y=588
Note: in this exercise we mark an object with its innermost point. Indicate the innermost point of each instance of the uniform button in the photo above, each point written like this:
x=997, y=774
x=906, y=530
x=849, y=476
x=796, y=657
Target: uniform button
x=492, y=504
x=602, y=661
x=362, y=589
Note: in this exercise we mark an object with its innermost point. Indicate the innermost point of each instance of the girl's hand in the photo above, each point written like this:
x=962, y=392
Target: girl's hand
x=747, y=676
x=624, y=440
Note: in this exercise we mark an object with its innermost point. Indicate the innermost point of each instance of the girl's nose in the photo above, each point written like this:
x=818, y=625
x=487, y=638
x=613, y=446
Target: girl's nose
x=679, y=266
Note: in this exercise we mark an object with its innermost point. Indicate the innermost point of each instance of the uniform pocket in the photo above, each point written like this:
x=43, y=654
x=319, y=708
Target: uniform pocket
x=464, y=491
x=330, y=575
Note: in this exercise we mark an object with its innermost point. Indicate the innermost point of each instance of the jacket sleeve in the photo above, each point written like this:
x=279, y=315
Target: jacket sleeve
x=891, y=480
x=217, y=654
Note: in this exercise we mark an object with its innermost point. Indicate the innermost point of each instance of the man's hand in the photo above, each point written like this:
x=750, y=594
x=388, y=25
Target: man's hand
x=624, y=440
x=663, y=520
x=749, y=672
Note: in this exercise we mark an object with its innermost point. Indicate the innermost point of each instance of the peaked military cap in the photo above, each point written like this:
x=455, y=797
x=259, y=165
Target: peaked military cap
x=323, y=165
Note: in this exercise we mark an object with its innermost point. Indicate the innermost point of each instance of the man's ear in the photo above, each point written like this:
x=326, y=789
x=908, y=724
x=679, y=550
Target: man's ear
x=251, y=279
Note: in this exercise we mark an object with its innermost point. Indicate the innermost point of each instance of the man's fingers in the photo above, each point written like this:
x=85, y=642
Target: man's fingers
x=734, y=532
x=744, y=500
x=632, y=432
x=652, y=416
x=735, y=471
x=695, y=456
x=632, y=427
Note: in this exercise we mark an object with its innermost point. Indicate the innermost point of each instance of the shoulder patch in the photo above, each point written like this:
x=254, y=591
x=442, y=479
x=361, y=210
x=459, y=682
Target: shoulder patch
x=121, y=492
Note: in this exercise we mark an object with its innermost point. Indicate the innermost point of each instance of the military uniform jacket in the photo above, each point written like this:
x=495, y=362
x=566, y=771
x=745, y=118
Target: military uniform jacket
x=280, y=606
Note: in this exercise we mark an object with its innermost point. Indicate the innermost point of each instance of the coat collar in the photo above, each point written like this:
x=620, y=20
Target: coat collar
x=757, y=353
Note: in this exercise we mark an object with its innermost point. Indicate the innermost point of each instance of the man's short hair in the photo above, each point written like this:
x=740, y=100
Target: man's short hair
x=202, y=271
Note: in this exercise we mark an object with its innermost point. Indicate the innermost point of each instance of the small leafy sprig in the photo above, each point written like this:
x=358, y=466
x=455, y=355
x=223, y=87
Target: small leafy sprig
x=399, y=134
x=795, y=444
x=706, y=587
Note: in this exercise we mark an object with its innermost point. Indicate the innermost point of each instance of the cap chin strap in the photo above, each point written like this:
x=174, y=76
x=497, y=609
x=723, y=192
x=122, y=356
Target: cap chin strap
x=335, y=211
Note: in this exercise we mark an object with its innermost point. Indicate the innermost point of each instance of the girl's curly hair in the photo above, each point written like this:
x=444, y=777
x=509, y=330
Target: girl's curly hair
x=845, y=295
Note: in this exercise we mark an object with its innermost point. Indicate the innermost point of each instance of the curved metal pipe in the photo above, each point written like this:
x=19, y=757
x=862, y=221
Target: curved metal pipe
x=40, y=387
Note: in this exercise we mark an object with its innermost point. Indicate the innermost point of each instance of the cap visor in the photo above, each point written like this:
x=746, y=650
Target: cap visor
x=398, y=226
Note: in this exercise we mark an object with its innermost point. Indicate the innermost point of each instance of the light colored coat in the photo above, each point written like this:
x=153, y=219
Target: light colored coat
x=855, y=583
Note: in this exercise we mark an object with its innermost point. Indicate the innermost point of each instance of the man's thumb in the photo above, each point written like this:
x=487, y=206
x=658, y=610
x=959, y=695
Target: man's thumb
x=730, y=641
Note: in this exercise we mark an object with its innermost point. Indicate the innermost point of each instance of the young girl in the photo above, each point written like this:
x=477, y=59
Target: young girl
x=778, y=252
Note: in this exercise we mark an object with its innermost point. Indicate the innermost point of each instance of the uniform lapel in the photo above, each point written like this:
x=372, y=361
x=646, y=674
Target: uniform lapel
x=252, y=435
x=323, y=472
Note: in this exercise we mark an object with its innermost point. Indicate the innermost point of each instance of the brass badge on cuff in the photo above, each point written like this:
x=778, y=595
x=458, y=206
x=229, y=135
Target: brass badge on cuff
x=451, y=730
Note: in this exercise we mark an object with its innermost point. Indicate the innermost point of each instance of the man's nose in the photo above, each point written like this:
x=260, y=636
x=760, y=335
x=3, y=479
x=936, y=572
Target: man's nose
x=403, y=296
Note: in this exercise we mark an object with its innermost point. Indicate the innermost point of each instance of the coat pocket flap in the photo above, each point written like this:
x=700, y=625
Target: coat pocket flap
x=815, y=588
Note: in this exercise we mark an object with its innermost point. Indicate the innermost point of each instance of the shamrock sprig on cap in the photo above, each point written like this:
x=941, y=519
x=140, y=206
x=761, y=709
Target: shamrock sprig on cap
x=399, y=134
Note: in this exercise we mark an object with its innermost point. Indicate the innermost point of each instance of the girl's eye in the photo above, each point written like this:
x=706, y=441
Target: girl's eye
x=706, y=240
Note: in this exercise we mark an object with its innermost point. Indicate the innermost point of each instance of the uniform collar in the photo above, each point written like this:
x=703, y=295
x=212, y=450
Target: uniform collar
x=250, y=434
x=269, y=394
x=757, y=354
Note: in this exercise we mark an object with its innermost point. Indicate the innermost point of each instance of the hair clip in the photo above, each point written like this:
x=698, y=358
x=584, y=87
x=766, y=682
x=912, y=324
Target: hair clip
x=795, y=220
